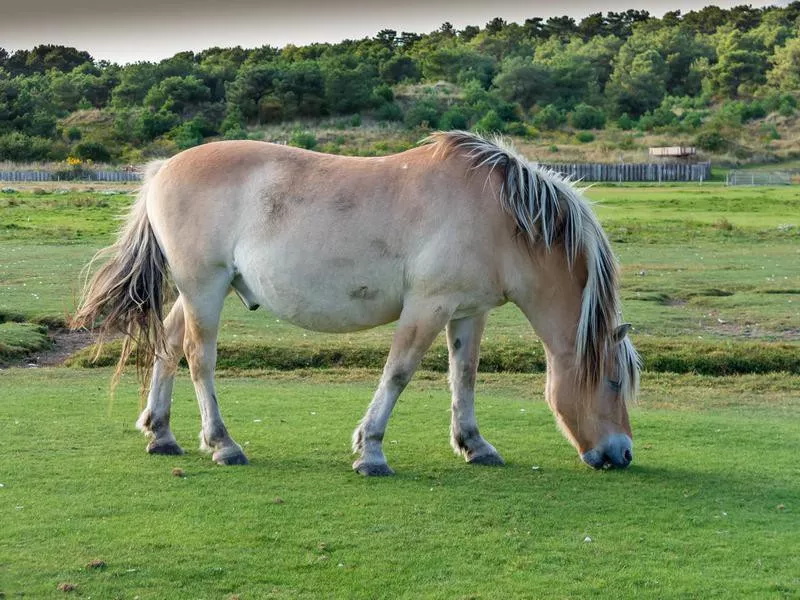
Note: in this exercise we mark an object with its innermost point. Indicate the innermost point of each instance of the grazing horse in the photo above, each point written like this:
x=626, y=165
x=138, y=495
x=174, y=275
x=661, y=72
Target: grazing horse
x=433, y=238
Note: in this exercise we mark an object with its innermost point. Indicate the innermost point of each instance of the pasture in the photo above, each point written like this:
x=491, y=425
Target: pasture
x=707, y=509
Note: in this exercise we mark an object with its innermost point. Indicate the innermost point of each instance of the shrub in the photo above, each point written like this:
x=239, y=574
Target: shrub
x=20, y=147
x=453, y=118
x=625, y=122
x=549, y=117
x=711, y=141
x=303, y=139
x=424, y=113
x=587, y=117
x=692, y=119
x=517, y=128
x=94, y=151
x=584, y=137
x=491, y=122
x=390, y=111
x=187, y=135
x=73, y=134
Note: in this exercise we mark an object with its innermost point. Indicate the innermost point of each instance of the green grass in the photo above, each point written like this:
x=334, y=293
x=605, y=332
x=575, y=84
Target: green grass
x=19, y=339
x=708, y=509
x=701, y=265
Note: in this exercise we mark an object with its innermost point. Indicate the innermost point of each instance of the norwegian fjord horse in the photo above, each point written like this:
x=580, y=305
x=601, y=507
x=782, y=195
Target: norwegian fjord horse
x=432, y=238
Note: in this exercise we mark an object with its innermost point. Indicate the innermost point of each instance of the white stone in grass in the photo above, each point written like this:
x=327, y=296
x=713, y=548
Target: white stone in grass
x=587, y=539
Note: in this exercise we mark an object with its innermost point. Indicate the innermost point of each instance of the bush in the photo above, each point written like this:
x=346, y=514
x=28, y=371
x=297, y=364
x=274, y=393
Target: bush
x=187, y=135
x=660, y=117
x=453, y=118
x=587, y=117
x=521, y=129
x=17, y=146
x=584, y=137
x=491, y=122
x=692, y=119
x=94, y=151
x=390, y=111
x=73, y=134
x=711, y=141
x=625, y=122
x=549, y=117
x=424, y=113
x=303, y=139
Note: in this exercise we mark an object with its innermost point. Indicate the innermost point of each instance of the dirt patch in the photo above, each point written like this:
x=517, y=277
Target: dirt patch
x=65, y=343
x=754, y=332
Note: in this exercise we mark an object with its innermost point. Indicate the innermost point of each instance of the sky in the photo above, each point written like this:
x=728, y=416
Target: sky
x=136, y=30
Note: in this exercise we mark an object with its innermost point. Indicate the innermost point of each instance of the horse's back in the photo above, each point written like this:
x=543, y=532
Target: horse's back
x=330, y=243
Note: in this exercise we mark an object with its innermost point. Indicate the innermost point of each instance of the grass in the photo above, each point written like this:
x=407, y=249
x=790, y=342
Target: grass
x=18, y=339
x=708, y=509
x=701, y=265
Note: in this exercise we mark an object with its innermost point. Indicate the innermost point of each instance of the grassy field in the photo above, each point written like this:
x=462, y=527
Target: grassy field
x=702, y=266
x=707, y=510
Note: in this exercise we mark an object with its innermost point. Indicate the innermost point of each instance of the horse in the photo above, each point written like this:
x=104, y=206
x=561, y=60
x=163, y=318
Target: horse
x=433, y=238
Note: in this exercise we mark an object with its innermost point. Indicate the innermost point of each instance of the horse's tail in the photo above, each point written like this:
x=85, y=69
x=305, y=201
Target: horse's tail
x=126, y=294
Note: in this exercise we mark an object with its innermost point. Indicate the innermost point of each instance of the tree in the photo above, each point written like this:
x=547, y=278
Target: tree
x=348, y=86
x=523, y=81
x=739, y=62
x=785, y=72
x=459, y=64
x=134, y=83
x=400, y=68
x=592, y=26
x=561, y=27
x=638, y=85
x=177, y=94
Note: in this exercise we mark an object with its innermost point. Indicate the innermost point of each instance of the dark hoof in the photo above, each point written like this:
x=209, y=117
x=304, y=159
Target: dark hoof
x=489, y=460
x=372, y=470
x=230, y=456
x=156, y=447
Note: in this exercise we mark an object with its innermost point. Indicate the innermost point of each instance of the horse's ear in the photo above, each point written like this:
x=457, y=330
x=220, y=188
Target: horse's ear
x=621, y=331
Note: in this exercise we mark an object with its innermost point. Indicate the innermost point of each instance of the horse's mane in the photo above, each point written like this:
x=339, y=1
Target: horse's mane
x=548, y=209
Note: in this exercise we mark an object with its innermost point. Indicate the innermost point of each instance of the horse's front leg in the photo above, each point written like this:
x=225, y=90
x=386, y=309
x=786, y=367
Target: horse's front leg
x=154, y=420
x=464, y=341
x=419, y=324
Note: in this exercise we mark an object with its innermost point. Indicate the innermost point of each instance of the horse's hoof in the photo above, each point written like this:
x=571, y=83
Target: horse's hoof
x=372, y=470
x=164, y=447
x=489, y=460
x=230, y=456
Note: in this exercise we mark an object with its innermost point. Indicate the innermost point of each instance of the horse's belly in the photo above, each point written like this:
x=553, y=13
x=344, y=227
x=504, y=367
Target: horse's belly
x=327, y=294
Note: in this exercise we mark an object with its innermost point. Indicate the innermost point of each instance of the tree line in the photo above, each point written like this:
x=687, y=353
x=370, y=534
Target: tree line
x=696, y=72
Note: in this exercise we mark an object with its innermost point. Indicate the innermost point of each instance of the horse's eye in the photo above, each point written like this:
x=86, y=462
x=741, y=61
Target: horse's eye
x=614, y=385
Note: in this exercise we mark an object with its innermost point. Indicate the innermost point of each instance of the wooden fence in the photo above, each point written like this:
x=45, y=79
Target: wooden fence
x=635, y=171
x=33, y=175
x=657, y=172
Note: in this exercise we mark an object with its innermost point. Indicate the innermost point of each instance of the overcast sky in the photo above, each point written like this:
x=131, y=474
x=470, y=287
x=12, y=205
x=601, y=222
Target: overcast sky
x=137, y=30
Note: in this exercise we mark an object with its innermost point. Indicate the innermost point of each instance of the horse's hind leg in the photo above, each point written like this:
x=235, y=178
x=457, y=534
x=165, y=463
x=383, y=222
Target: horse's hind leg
x=463, y=341
x=202, y=312
x=154, y=420
x=420, y=323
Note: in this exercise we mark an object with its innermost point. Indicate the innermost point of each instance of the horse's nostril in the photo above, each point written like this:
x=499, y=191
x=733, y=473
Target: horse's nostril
x=628, y=456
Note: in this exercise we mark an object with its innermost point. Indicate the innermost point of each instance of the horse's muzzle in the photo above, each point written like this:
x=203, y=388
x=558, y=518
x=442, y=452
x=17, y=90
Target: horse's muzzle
x=614, y=451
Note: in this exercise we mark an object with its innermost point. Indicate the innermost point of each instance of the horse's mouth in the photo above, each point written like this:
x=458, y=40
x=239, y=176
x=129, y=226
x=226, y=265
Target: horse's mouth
x=615, y=452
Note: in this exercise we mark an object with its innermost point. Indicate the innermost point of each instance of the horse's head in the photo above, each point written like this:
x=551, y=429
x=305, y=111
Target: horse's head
x=593, y=414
